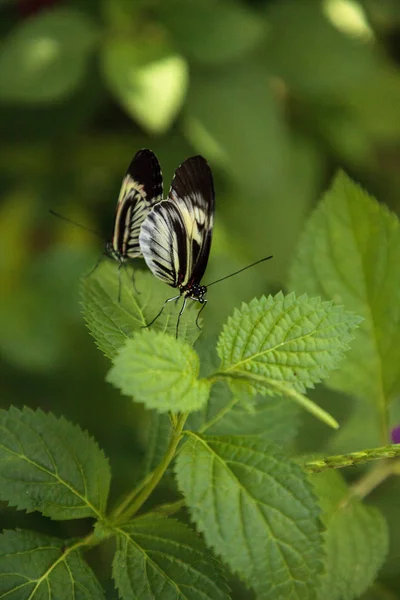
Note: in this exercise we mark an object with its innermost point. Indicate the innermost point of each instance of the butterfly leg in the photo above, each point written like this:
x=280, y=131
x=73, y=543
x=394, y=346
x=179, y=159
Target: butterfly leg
x=96, y=265
x=159, y=313
x=198, y=314
x=179, y=316
x=119, y=282
x=134, y=284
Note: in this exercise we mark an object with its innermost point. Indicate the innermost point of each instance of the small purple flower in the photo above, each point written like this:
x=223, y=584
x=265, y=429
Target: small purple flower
x=395, y=435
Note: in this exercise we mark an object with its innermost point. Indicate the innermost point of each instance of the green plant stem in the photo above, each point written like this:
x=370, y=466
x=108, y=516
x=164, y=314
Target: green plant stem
x=130, y=497
x=156, y=475
x=219, y=415
x=354, y=458
x=371, y=480
x=283, y=389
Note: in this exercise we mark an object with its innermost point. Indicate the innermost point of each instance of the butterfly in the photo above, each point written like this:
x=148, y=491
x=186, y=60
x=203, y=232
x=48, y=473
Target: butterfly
x=142, y=188
x=175, y=238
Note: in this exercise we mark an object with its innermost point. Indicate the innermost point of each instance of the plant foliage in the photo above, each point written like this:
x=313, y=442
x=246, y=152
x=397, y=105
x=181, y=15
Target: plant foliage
x=223, y=417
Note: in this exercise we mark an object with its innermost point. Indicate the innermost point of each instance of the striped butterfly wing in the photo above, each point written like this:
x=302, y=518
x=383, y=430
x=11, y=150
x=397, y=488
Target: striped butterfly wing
x=175, y=238
x=142, y=188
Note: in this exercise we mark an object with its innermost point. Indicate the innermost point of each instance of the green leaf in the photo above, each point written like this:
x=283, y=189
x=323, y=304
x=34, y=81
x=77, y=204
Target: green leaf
x=39, y=567
x=158, y=439
x=256, y=509
x=161, y=558
x=45, y=57
x=147, y=77
x=357, y=540
x=273, y=419
x=312, y=55
x=239, y=94
x=213, y=33
x=52, y=466
x=112, y=323
x=161, y=372
x=284, y=344
x=350, y=253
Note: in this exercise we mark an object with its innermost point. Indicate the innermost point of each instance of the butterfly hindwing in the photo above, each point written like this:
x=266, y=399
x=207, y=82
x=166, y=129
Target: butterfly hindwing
x=141, y=189
x=175, y=238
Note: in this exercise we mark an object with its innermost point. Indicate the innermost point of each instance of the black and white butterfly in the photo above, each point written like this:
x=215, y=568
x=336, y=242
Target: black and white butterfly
x=175, y=237
x=142, y=188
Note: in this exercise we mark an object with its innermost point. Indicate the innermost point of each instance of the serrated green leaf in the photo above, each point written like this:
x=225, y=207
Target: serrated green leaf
x=256, y=509
x=357, y=540
x=350, y=253
x=112, y=323
x=45, y=57
x=284, y=344
x=38, y=567
x=274, y=419
x=160, y=371
x=162, y=558
x=52, y=466
x=148, y=77
x=213, y=33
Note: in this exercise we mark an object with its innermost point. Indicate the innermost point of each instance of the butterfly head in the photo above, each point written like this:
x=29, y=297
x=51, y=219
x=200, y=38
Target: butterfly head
x=113, y=253
x=196, y=292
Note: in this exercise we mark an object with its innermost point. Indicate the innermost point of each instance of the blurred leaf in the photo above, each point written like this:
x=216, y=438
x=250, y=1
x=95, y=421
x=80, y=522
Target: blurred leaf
x=160, y=371
x=161, y=558
x=38, y=567
x=313, y=56
x=148, y=78
x=112, y=323
x=379, y=592
x=357, y=540
x=45, y=57
x=212, y=32
x=350, y=253
x=256, y=509
x=254, y=150
x=283, y=345
x=52, y=466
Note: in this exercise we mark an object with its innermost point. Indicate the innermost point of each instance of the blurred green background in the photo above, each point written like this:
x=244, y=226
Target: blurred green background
x=276, y=94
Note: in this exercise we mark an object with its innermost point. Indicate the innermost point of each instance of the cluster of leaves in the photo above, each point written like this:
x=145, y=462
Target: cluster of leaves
x=284, y=532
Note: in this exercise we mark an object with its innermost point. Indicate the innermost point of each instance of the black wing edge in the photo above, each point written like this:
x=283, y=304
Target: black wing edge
x=194, y=178
x=145, y=169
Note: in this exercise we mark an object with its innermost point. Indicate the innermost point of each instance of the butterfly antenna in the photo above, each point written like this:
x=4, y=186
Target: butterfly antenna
x=240, y=270
x=56, y=214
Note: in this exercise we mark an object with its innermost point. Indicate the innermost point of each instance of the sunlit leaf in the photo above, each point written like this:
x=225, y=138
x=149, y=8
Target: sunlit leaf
x=160, y=371
x=283, y=345
x=148, y=78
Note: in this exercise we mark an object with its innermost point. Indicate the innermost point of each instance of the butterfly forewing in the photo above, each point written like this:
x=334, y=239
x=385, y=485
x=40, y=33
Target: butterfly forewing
x=175, y=238
x=141, y=189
